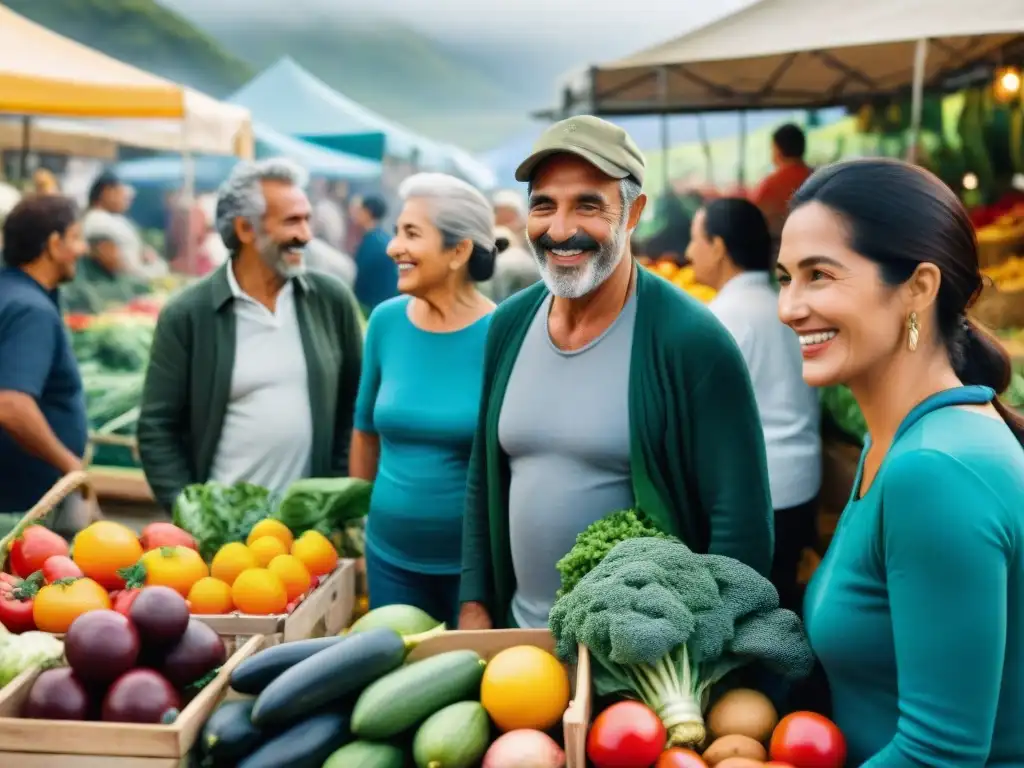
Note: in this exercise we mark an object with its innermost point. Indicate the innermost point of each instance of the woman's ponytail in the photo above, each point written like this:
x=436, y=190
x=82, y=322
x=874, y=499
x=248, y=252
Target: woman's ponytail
x=981, y=359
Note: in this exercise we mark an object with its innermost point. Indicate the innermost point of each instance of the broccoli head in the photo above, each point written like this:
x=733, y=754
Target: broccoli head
x=598, y=539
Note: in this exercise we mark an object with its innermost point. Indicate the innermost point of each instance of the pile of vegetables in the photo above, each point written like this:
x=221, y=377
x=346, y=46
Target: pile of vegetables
x=137, y=666
x=355, y=700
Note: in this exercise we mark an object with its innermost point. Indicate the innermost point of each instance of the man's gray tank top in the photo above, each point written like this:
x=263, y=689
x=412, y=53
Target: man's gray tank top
x=565, y=426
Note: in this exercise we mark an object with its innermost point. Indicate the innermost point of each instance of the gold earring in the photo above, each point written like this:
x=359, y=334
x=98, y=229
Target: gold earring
x=913, y=331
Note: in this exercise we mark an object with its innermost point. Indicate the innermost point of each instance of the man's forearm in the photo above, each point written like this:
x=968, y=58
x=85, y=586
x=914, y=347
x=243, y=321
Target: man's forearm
x=21, y=418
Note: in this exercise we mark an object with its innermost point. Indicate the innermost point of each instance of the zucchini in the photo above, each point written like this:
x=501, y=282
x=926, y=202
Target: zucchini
x=329, y=676
x=258, y=671
x=305, y=745
x=455, y=737
x=404, y=619
x=367, y=754
x=409, y=695
x=229, y=734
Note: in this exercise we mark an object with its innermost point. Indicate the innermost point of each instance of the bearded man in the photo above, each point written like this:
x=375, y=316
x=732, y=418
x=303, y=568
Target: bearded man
x=254, y=370
x=605, y=387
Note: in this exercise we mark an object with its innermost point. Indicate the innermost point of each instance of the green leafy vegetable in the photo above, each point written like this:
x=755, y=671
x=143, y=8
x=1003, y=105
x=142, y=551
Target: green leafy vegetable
x=217, y=514
x=324, y=504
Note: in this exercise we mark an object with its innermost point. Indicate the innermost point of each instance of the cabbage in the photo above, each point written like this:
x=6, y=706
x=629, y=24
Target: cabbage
x=29, y=649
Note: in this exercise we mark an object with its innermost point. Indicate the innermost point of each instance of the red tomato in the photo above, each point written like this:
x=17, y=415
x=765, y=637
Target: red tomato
x=156, y=535
x=677, y=757
x=60, y=567
x=35, y=545
x=122, y=599
x=808, y=740
x=626, y=735
x=15, y=614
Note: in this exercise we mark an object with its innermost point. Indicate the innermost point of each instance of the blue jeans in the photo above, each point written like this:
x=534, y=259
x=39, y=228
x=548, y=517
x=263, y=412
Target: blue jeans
x=437, y=594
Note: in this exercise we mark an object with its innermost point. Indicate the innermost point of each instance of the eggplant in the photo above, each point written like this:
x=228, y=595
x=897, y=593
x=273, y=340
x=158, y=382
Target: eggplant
x=199, y=651
x=160, y=615
x=100, y=646
x=57, y=694
x=140, y=696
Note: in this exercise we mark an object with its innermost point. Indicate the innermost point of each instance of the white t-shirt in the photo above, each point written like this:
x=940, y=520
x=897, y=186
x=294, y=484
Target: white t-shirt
x=790, y=411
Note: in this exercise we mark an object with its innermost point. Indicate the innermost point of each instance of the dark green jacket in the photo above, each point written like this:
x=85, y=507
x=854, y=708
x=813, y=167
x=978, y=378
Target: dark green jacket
x=94, y=289
x=697, y=453
x=188, y=381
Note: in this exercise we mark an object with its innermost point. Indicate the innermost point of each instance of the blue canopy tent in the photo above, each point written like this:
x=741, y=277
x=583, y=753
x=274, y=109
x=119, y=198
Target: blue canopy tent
x=297, y=103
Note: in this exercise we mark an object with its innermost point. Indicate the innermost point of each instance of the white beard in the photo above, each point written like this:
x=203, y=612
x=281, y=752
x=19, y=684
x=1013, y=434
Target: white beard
x=579, y=281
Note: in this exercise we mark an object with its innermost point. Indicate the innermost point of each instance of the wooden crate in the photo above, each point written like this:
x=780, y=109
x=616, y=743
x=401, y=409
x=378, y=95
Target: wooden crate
x=28, y=743
x=120, y=483
x=488, y=643
x=326, y=611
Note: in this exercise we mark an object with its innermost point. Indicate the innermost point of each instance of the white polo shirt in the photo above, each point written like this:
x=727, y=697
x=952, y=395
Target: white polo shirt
x=267, y=436
x=790, y=412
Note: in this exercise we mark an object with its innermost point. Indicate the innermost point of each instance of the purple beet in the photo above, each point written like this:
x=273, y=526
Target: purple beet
x=100, y=646
x=160, y=615
x=199, y=652
x=57, y=694
x=140, y=696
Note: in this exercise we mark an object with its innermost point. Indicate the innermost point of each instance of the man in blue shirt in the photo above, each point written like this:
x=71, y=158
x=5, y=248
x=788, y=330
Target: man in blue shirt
x=376, y=272
x=43, y=429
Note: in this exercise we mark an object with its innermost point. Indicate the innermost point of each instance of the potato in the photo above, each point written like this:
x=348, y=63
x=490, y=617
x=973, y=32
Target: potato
x=739, y=762
x=734, y=746
x=743, y=712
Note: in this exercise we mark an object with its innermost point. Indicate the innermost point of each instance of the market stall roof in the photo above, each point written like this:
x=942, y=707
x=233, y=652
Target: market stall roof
x=784, y=54
x=45, y=74
x=293, y=101
x=477, y=172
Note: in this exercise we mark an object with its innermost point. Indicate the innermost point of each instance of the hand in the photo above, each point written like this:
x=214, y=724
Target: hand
x=474, y=616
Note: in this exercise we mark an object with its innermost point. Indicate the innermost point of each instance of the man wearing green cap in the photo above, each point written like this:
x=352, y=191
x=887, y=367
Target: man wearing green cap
x=605, y=387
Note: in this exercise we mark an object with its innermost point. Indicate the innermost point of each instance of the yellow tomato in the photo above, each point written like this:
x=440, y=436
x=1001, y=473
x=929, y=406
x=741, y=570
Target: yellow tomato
x=57, y=605
x=231, y=560
x=274, y=528
x=525, y=687
x=259, y=592
x=292, y=573
x=316, y=552
x=210, y=596
x=266, y=549
x=175, y=567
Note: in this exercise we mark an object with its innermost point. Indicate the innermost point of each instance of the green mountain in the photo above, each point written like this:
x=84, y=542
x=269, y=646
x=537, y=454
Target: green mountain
x=143, y=33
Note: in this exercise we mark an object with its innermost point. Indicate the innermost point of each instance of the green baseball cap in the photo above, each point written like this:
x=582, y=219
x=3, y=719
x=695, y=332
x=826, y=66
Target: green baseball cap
x=604, y=145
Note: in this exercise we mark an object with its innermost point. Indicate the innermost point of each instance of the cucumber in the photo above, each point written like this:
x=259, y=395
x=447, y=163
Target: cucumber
x=409, y=695
x=329, y=676
x=305, y=745
x=229, y=734
x=455, y=737
x=258, y=671
x=404, y=619
x=367, y=754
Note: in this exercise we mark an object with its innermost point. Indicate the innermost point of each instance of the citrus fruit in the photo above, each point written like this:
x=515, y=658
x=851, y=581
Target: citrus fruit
x=210, y=596
x=231, y=560
x=525, y=687
x=259, y=592
x=292, y=573
x=175, y=567
x=316, y=552
x=266, y=548
x=103, y=548
x=274, y=528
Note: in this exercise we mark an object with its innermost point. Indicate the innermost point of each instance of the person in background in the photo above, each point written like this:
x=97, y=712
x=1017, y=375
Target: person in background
x=43, y=427
x=915, y=611
x=731, y=251
x=113, y=238
x=605, y=388
x=376, y=272
x=254, y=369
x=328, y=216
x=44, y=182
x=772, y=195
x=516, y=268
x=420, y=392
x=510, y=212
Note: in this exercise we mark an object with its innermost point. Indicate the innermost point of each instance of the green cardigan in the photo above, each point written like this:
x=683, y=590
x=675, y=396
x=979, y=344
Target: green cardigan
x=188, y=382
x=697, y=453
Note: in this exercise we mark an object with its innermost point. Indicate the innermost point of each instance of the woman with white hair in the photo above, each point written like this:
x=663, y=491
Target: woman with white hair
x=419, y=394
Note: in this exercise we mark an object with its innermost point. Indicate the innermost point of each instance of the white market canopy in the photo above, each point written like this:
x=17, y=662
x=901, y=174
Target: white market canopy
x=789, y=54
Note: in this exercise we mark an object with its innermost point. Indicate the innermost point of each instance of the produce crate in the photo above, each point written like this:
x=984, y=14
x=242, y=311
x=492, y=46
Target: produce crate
x=326, y=611
x=488, y=643
x=120, y=483
x=26, y=743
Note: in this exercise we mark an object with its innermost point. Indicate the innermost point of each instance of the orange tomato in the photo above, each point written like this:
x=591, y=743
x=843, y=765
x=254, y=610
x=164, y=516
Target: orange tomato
x=103, y=548
x=210, y=596
x=57, y=605
x=316, y=553
x=271, y=527
x=525, y=687
x=259, y=592
x=266, y=548
x=231, y=560
x=292, y=573
x=175, y=567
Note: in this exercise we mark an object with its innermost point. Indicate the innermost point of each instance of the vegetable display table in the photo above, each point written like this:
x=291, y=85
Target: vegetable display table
x=488, y=643
x=326, y=611
x=27, y=743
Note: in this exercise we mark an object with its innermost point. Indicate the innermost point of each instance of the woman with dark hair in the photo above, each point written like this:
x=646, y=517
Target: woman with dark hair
x=731, y=251
x=419, y=394
x=917, y=610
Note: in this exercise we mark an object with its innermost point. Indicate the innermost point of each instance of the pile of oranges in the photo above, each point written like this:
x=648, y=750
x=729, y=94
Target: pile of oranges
x=266, y=575
x=681, y=277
